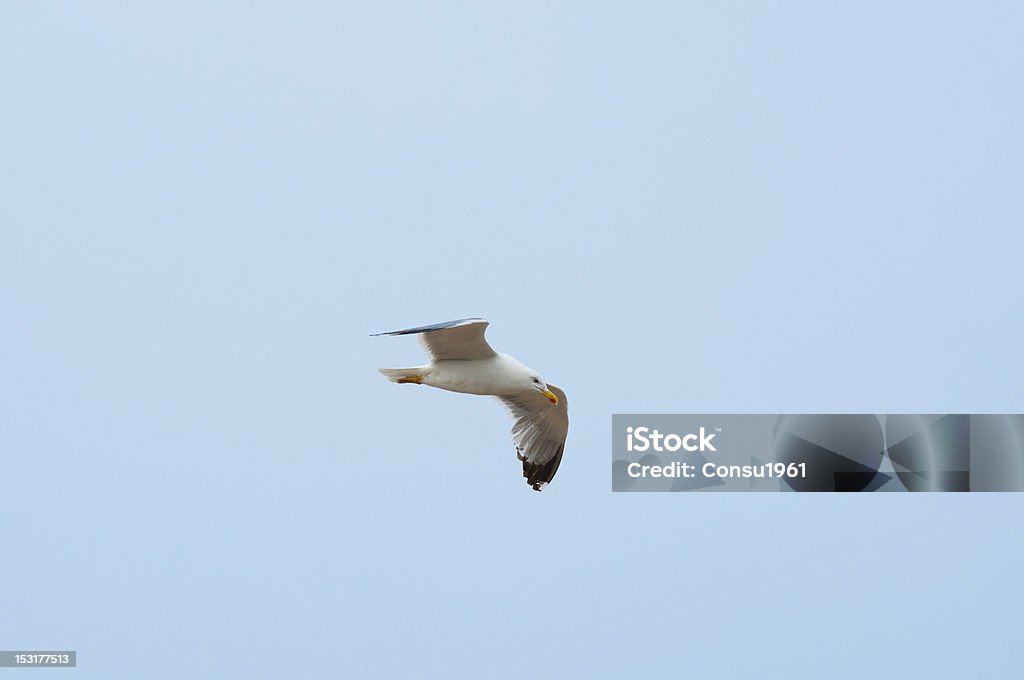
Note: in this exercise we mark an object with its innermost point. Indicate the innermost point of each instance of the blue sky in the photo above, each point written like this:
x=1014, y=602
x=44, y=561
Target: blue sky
x=669, y=207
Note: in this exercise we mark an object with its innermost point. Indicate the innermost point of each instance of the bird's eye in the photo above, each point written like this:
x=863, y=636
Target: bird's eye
x=536, y=382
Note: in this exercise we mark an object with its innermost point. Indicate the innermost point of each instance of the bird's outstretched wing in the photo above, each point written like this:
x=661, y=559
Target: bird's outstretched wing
x=539, y=433
x=459, y=339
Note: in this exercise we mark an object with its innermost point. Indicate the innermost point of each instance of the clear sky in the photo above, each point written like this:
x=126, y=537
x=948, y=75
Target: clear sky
x=724, y=207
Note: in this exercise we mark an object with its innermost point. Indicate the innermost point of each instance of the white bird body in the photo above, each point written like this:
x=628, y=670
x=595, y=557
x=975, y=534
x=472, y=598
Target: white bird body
x=462, y=361
x=502, y=374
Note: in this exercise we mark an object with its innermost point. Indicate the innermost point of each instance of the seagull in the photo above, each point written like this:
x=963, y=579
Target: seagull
x=462, y=361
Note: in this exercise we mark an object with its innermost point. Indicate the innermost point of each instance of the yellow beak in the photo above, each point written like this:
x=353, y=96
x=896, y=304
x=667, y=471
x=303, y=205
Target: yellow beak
x=551, y=396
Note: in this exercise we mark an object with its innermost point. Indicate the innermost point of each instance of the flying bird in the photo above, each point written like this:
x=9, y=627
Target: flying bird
x=462, y=361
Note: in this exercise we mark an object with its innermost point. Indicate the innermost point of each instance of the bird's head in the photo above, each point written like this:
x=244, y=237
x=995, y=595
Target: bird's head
x=537, y=383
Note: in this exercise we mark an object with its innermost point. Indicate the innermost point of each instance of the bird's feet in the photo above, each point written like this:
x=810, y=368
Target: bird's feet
x=413, y=379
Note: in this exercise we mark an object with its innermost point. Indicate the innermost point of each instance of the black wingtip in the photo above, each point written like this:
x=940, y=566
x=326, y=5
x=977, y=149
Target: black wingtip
x=540, y=475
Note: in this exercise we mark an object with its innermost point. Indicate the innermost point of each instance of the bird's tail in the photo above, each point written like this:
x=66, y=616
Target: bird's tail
x=404, y=375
